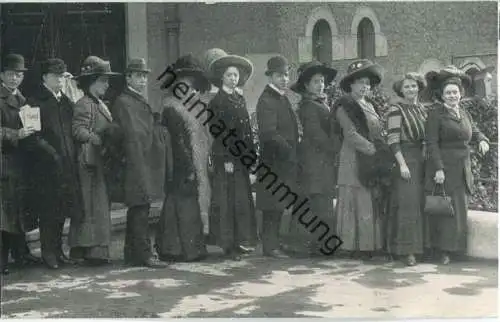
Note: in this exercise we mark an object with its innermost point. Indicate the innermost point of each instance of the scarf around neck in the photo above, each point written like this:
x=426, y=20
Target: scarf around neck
x=320, y=98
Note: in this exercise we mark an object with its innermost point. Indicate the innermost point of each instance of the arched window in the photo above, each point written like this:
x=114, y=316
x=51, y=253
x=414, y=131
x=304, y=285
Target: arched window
x=322, y=41
x=476, y=84
x=366, y=39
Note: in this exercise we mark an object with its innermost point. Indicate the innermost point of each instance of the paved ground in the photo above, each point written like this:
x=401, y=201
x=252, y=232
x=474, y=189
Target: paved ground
x=255, y=287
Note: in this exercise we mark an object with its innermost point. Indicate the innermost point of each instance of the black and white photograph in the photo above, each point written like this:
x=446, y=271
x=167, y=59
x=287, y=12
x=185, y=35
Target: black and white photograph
x=334, y=159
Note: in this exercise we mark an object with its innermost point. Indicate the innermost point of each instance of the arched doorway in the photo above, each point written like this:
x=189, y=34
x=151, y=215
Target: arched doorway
x=366, y=39
x=322, y=42
x=71, y=31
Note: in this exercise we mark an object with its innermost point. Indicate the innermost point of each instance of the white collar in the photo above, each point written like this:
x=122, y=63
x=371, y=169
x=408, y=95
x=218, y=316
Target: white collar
x=281, y=92
x=13, y=92
x=455, y=108
x=56, y=95
x=134, y=90
x=228, y=90
x=231, y=91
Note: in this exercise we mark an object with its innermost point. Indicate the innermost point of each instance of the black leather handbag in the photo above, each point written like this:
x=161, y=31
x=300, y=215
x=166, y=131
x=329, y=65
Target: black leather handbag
x=438, y=205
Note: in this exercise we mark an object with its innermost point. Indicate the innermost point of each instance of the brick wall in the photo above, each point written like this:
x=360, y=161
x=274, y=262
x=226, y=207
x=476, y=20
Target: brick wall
x=239, y=28
x=415, y=31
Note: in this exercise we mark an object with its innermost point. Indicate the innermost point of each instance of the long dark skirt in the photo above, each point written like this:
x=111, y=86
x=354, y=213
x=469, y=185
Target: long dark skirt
x=232, y=215
x=405, y=221
x=302, y=237
x=449, y=234
x=180, y=232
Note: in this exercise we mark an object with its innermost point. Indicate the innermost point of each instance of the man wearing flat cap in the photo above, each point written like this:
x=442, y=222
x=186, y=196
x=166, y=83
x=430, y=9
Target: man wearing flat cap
x=14, y=219
x=278, y=136
x=144, y=152
x=55, y=174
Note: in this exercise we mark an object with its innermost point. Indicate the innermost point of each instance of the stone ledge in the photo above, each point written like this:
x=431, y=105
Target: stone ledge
x=482, y=237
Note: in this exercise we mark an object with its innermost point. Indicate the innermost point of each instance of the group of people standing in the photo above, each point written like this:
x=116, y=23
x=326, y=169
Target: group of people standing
x=377, y=167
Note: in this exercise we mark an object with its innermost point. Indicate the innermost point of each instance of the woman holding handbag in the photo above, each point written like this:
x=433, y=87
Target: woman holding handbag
x=90, y=233
x=449, y=131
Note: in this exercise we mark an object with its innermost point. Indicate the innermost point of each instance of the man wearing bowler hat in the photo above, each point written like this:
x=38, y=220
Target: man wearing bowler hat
x=278, y=136
x=14, y=219
x=144, y=151
x=55, y=174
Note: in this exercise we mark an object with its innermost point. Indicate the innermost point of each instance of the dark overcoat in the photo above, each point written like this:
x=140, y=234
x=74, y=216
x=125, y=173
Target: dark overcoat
x=448, y=140
x=143, y=146
x=316, y=150
x=278, y=138
x=17, y=178
x=232, y=217
x=56, y=179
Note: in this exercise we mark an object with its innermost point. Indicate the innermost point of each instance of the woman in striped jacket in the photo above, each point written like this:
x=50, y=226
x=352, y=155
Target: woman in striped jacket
x=406, y=133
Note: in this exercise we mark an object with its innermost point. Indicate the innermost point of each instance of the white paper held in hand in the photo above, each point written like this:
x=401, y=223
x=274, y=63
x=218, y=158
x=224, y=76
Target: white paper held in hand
x=31, y=118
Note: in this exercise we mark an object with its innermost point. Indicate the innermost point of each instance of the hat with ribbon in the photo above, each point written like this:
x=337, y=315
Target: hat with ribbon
x=14, y=62
x=137, y=65
x=359, y=69
x=308, y=70
x=398, y=85
x=94, y=65
x=53, y=66
x=277, y=64
x=220, y=61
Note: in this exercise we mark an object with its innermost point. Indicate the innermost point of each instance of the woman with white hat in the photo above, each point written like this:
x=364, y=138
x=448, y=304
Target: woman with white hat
x=232, y=218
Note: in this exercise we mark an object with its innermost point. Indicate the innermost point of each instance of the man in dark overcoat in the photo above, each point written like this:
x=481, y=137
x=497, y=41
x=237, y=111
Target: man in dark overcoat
x=278, y=137
x=55, y=175
x=144, y=150
x=16, y=141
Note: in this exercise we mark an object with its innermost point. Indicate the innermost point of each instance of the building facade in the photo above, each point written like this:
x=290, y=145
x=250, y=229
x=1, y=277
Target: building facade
x=401, y=36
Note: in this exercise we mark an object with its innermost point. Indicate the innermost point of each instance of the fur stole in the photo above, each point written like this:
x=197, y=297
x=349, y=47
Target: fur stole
x=200, y=142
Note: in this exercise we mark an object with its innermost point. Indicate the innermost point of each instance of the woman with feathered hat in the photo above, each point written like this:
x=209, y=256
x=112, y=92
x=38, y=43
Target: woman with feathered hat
x=362, y=161
x=232, y=216
x=449, y=131
x=181, y=230
x=93, y=130
x=406, y=134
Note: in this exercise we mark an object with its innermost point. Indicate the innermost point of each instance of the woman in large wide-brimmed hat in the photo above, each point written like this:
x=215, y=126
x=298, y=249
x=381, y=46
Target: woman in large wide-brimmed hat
x=187, y=190
x=449, y=132
x=406, y=134
x=93, y=130
x=361, y=162
x=315, y=157
x=232, y=216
